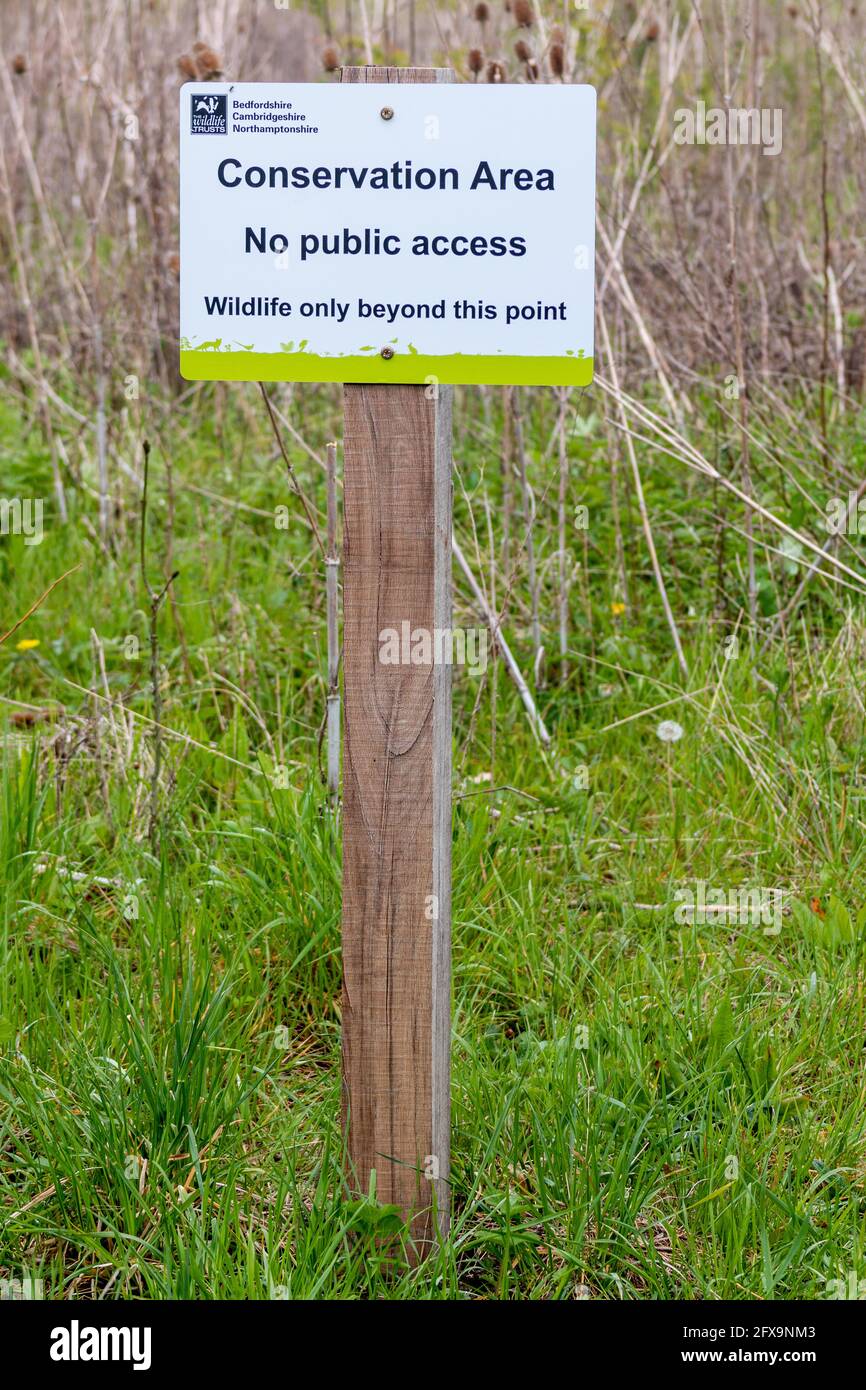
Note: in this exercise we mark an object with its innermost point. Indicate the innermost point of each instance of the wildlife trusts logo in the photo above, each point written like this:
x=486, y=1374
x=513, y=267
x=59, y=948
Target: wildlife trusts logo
x=209, y=113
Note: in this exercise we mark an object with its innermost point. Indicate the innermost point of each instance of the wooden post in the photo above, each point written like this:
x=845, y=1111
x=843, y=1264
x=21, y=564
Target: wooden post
x=331, y=566
x=397, y=787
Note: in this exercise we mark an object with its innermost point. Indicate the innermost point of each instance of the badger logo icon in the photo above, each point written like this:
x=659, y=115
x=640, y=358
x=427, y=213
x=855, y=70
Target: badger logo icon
x=208, y=112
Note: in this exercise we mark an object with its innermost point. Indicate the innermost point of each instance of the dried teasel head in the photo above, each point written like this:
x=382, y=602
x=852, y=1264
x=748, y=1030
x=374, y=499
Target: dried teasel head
x=522, y=50
x=208, y=63
x=482, y=12
x=652, y=31
x=495, y=72
x=524, y=14
x=186, y=67
x=19, y=64
x=475, y=60
x=557, y=59
x=26, y=718
x=330, y=58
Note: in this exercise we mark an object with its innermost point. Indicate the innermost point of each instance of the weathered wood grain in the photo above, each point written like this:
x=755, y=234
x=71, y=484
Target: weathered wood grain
x=397, y=789
x=331, y=567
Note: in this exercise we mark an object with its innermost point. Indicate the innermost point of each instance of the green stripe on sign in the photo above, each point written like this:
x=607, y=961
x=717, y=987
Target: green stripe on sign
x=410, y=368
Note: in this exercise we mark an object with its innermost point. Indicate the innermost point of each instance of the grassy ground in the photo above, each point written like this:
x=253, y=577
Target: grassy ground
x=644, y=1107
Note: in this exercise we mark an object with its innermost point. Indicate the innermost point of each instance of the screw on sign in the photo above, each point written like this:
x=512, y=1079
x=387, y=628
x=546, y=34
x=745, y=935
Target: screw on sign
x=308, y=211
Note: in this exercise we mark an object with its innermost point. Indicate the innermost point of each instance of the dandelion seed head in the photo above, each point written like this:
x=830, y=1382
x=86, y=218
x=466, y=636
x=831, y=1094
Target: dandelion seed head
x=669, y=731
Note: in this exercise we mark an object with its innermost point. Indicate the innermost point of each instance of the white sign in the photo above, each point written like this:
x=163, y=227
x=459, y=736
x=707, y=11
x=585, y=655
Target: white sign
x=387, y=232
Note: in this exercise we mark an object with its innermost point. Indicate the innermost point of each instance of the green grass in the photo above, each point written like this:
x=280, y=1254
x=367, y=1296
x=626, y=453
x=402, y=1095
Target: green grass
x=643, y=1107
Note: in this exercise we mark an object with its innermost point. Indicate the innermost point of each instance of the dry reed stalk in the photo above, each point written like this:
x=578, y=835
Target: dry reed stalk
x=562, y=502
x=830, y=543
x=641, y=502
x=505, y=462
x=676, y=446
x=101, y=453
x=365, y=29
x=155, y=599
x=494, y=669
x=739, y=355
x=668, y=77
x=42, y=387
x=529, y=544
x=536, y=722
x=624, y=293
x=308, y=510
